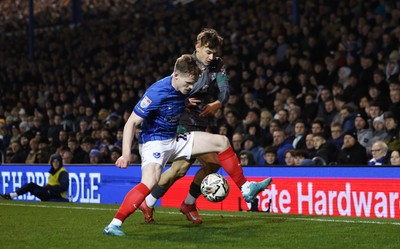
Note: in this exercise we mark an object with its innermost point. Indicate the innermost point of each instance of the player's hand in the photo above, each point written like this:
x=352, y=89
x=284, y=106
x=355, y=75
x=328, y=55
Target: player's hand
x=210, y=109
x=122, y=162
x=192, y=102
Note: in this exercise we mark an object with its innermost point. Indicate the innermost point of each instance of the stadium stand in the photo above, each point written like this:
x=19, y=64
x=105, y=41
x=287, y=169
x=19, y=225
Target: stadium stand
x=76, y=92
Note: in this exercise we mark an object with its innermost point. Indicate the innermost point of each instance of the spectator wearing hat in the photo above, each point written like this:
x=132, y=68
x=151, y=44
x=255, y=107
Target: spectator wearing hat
x=94, y=156
x=104, y=153
x=379, y=132
x=250, y=144
x=379, y=153
x=364, y=132
x=391, y=126
x=352, y=153
x=113, y=123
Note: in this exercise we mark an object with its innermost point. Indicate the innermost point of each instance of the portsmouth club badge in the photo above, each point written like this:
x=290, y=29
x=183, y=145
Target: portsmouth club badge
x=157, y=155
x=145, y=102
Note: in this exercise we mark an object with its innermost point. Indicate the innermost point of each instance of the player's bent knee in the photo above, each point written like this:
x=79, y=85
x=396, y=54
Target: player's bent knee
x=223, y=143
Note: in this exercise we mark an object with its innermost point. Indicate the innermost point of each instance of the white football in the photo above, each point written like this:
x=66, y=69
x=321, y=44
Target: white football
x=215, y=187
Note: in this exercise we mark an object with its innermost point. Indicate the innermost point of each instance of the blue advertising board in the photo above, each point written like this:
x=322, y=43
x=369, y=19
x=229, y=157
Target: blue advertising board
x=88, y=183
x=109, y=184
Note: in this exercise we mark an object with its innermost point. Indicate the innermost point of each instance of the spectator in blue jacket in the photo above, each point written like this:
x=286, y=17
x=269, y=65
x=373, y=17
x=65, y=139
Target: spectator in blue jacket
x=282, y=143
x=250, y=144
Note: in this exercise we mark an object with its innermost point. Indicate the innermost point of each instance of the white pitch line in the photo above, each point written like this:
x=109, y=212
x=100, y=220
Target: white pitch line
x=239, y=214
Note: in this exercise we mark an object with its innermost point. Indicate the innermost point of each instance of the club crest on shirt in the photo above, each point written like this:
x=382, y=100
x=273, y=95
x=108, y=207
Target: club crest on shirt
x=145, y=102
x=157, y=155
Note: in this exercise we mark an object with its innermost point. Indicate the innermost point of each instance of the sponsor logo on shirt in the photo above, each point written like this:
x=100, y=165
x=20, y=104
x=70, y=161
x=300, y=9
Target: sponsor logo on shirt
x=145, y=102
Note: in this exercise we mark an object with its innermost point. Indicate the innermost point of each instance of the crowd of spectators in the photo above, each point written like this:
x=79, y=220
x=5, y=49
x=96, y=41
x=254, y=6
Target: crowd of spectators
x=321, y=91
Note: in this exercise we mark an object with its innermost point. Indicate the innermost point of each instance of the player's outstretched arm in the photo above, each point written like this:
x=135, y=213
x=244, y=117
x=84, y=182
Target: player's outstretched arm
x=211, y=108
x=129, y=133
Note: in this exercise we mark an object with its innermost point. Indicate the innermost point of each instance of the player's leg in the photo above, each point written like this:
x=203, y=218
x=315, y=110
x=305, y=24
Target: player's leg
x=177, y=170
x=206, y=142
x=150, y=175
x=210, y=165
x=188, y=207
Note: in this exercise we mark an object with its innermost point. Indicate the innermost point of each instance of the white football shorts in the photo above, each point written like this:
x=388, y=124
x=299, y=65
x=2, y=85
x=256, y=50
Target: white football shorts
x=164, y=151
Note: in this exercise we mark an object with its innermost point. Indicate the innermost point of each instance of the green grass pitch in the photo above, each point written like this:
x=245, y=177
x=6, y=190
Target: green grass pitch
x=71, y=225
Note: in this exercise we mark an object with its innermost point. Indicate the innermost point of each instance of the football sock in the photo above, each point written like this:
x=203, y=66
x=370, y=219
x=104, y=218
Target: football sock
x=151, y=200
x=194, y=190
x=245, y=188
x=155, y=194
x=230, y=163
x=194, y=193
x=115, y=222
x=13, y=195
x=132, y=201
x=190, y=200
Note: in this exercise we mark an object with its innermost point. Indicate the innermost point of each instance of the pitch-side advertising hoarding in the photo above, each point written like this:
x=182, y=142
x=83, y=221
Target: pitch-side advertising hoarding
x=338, y=191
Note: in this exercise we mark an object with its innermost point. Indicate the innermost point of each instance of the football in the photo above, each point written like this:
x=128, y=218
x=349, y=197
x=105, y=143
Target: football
x=215, y=187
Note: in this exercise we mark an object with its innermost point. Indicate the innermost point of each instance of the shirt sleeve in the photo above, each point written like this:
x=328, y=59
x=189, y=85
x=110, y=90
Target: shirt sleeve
x=222, y=83
x=147, y=103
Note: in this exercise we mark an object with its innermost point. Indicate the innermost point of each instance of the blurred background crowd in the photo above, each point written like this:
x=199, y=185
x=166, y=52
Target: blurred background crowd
x=323, y=90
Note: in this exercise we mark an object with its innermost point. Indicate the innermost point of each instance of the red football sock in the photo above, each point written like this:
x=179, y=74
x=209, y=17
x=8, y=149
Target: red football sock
x=132, y=201
x=230, y=163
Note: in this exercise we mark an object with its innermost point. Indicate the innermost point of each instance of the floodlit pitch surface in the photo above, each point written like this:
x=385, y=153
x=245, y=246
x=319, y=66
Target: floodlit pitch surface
x=68, y=225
